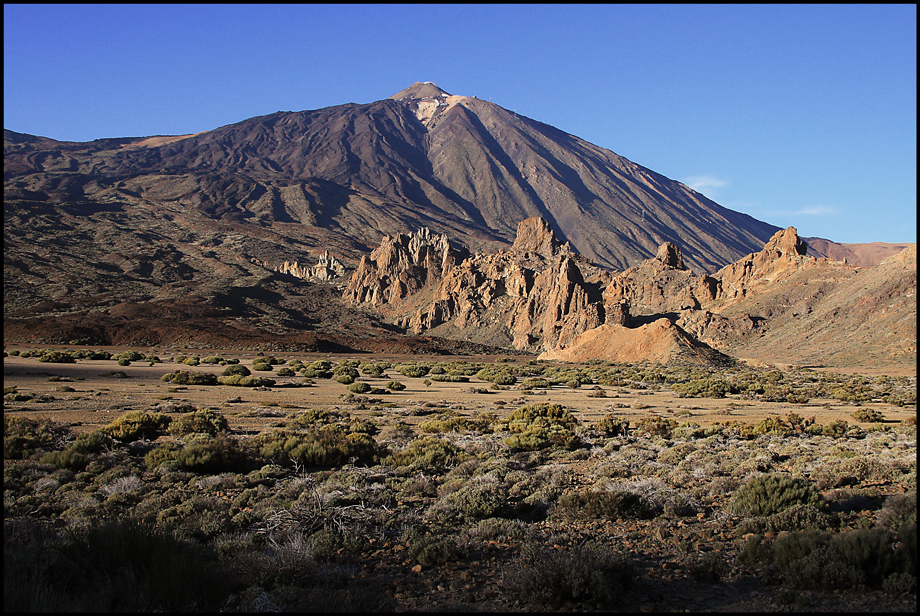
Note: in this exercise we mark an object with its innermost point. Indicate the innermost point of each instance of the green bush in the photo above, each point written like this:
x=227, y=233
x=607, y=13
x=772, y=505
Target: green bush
x=497, y=375
x=22, y=436
x=395, y=386
x=450, y=378
x=766, y=495
x=183, y=377
x=262, y=366
x=75, y=456
x=822, y=561
x=412, y=370
x=203, y=421
x=245, y=381
x=345, y=379
x=704, y=388
x=57, y=357
x=434, y=551
x=66, y=458
x=236, y=370
x=868, y=415
x=371, y=369
x=477, y=500
x=611, y=425
x=347, y=371
x=539, y=426
x=314, y=419
x=545, y=578
x=92, y=442
x=427, y=451
x=325, y=446
x=204, y=454
x=535, y=383
x=359, y=387
x=591, y=504
x=137, y=425
x=657, y=426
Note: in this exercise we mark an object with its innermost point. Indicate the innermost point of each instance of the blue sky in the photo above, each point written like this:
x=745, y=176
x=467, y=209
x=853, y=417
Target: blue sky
x=799, y=115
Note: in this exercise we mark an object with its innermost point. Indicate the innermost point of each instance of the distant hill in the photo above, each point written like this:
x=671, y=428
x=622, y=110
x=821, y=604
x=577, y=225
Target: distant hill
x=863, y=255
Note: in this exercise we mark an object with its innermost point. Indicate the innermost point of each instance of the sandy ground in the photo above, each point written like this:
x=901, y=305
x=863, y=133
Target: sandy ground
x=100, y=394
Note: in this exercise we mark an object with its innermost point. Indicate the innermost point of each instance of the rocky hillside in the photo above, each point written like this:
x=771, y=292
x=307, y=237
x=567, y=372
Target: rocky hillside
x=777, y=304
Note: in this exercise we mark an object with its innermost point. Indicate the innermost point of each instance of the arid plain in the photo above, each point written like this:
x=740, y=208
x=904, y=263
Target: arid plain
x=102, y=390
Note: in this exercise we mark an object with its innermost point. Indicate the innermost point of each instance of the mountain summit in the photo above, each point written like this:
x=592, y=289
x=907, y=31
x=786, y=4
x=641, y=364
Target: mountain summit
x=419, y=90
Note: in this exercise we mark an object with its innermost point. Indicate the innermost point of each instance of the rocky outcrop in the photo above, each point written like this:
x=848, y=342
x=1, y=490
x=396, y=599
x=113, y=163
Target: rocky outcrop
x=401, y=266
x=539, y=296
x=557, y=309
x=535, y=235
x=533, y=296
x=327, y=268
x=782, y=256
x=660, y=341
x=660, y=285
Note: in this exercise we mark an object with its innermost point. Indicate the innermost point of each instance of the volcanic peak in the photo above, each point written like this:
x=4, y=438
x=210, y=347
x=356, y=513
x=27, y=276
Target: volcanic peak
x=420, y=90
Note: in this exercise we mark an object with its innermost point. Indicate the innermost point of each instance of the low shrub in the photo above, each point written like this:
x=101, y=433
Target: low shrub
x=545, y=578
x=183, y=377
x=57, y=357
x=822, y=561
x=412, y=370
x=704, y=388
x=766, y=495
x=203, y=421
x=118, y=565
x=137, y=425
x=236, y=370
x=868, y=415
x=434, y=551
x=204, y=454
x=426, y=451
x=129, y=356
x=476, y=500
x=325, y=446
x=359, y=387
x=245, y=381
x=592, y=504
x=23, y=436
x=610, y=425
x=498, y=375
x=395, y=386
x=539, y=426
x=657, y=426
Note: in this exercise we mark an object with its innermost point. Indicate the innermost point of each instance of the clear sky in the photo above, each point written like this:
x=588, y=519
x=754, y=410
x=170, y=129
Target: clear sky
x=799, y=115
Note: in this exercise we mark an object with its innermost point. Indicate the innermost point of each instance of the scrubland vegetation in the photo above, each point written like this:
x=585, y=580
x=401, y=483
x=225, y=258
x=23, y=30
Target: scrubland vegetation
x=372, y=505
